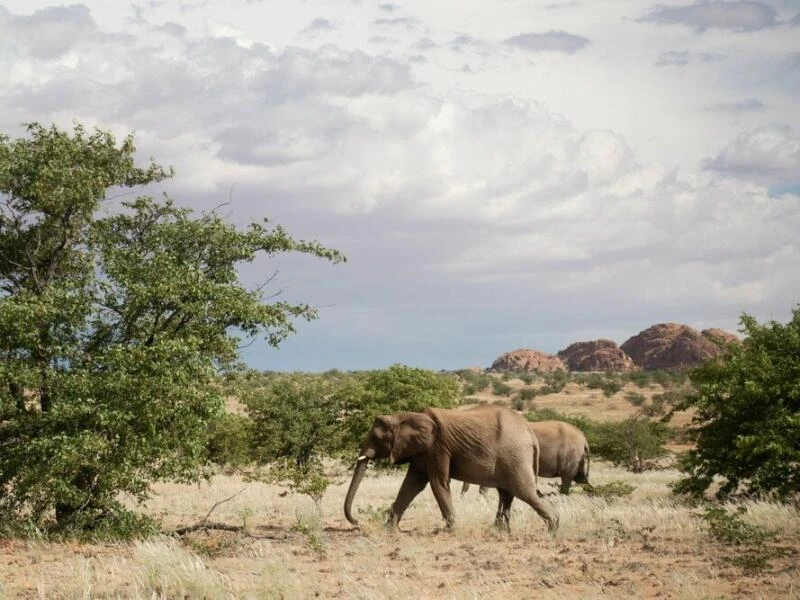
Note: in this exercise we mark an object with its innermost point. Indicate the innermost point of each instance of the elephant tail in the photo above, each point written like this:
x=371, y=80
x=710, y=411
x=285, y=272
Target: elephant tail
x=583, y=470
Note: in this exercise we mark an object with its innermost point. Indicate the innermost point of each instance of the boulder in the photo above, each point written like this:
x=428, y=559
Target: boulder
x=527, y=360
x=671, y=346
x=596, y=355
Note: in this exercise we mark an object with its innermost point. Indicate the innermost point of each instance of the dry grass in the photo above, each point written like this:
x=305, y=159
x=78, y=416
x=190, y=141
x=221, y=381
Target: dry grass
x=644, y=545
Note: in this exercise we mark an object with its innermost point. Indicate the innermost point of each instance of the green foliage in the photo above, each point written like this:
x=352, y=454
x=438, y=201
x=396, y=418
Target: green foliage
x=295, y=425
x=753, y=553
x=501, y=389
x=611, y=490
x=630, y=442
x=474, y=381
x=729, y=528
x=554, y=382
x=312, y=527
x=609, y=383
x=748, y=414
x=635, y=398
x=527, y=394
x=113, y=326
x=230, y=440
x=638, y=378
x=644, y=379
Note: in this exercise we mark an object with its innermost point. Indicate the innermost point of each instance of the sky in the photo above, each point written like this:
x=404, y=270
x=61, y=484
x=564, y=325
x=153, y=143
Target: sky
x=500, y=175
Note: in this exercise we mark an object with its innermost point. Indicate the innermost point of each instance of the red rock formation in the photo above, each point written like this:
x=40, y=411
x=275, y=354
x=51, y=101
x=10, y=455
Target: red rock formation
x=527, y=360
x=597, y=355
x=671, y=346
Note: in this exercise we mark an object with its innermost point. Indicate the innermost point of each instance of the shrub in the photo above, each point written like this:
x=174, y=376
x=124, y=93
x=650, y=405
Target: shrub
x=748, y=414
x=635, y=398
x=753, y=553
x=554, y=382
x=500, y=389
x=230, y=440
x=612, y=489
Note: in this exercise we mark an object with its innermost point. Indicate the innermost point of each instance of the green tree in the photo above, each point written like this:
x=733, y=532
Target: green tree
x=113, y=326
x=296, y=423
x=747, y=426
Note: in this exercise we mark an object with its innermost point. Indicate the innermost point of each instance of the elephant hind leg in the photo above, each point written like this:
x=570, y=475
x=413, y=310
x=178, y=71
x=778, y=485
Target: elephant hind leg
x=566, y=483
x=542, y=507
x=503, y=518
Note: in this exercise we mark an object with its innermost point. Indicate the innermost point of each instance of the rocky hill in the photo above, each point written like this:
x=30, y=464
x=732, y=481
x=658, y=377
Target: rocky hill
x=672, y=345
x=527, y=360
x=662, y=346
x=596, y=355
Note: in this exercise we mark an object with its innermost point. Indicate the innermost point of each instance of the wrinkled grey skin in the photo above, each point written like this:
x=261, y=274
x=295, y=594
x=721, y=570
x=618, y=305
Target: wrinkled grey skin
x=485, y=445
x=564, y=453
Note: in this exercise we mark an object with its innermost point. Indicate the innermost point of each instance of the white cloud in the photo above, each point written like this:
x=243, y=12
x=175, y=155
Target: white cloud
x=514, y=193
x=738, y=15
x=47, y=33
x=769, y=152
x=550, y=41
x=741, y=106
x=681, y=58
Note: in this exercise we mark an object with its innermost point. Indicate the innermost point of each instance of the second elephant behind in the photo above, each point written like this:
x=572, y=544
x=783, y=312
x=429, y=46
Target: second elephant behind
x=564, y=453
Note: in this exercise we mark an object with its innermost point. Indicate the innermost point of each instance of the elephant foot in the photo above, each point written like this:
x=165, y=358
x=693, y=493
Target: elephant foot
x=391, y=526
x=552, y=525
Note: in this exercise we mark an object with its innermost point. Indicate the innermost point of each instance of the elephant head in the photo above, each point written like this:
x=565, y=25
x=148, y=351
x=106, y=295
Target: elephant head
x=398, y=437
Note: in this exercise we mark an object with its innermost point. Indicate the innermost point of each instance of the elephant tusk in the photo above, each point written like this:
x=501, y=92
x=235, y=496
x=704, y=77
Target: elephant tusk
x=363, y=457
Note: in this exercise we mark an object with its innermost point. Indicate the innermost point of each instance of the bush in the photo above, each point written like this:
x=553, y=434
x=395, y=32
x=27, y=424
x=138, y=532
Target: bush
x=501, y=389
x=640, y=379
x=753, y=553
x=527, y=394
x=635, y=398
x=474, y=381
x=230, y=440
x=554, y=382
x=748, y=414
x=611, y=490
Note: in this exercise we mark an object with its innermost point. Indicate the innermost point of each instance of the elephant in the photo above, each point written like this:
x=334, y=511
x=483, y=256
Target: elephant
x=486, y=445
x=563, y=452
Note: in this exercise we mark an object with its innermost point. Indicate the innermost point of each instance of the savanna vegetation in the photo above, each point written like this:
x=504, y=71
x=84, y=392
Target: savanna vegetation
x=126, y=414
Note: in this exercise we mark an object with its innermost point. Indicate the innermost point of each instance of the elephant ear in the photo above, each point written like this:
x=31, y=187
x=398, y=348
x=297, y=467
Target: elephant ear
x=414, y=435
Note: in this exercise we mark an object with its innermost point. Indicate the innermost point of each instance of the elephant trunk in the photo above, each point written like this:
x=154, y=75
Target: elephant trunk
x=358, y=474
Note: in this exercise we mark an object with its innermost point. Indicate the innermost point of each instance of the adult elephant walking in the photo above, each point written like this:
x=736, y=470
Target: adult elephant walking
x=486, y=445
x=563, y=452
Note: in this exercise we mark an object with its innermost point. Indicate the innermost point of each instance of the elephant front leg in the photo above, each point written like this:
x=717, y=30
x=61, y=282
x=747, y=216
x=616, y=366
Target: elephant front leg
x=414, y=482
x=439, y=475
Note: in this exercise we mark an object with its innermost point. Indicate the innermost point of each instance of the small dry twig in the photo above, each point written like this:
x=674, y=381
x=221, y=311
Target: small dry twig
x=206, y=525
